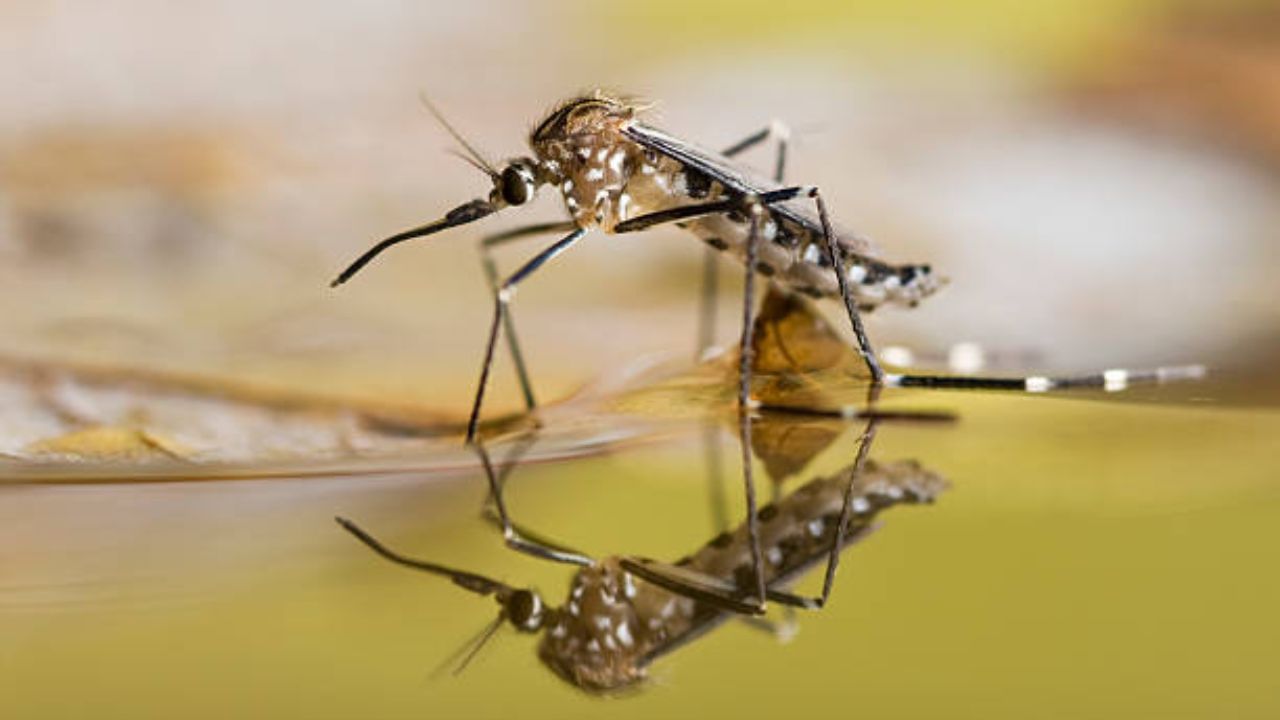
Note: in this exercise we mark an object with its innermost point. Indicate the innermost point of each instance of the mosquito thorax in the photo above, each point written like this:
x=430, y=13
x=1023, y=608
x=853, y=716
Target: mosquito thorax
x=595, y=640
x=525, y=610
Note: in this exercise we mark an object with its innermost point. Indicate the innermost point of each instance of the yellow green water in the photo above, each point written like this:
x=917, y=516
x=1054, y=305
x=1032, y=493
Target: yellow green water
x=1091, y=558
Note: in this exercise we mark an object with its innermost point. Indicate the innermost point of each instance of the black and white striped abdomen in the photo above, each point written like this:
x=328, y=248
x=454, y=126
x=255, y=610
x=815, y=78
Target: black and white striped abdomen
x=792, y=251
x=796, y=257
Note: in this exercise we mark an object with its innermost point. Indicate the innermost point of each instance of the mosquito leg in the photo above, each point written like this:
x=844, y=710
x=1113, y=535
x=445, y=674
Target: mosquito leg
x=774, y=129
x=688, y=212
x=512, y=536
x=491, y=276
x=711, y=256
x=712, y=591
x=745, y=353
x=501, y=299
x=850, y=306
x=707, y=316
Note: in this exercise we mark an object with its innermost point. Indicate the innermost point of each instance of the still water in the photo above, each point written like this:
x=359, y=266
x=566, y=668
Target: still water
x=1097, y=556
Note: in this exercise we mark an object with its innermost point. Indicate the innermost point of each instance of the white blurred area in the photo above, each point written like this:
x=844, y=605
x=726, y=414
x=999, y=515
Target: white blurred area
x=178, y=184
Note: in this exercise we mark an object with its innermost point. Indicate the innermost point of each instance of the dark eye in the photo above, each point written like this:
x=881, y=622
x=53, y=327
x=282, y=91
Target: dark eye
x=516, y=186
x=525, y=610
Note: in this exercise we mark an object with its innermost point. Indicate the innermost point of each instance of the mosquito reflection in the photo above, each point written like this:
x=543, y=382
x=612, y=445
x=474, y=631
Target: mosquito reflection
x=623, y=612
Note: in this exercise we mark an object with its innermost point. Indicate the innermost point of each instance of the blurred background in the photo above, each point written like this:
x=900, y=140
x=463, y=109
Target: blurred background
x=179, y=182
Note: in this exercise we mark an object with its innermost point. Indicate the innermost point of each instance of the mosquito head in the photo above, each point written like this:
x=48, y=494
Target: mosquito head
x=524, y=609
x=513, y=185
x=516, y=184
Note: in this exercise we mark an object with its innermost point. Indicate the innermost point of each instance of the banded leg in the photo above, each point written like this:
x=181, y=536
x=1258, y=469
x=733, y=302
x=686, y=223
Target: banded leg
x=850, y=306
x=711, y=256
x=501, y=299
x=707, y=318
x=775, y=129
x=491, y=277
x=745, y=354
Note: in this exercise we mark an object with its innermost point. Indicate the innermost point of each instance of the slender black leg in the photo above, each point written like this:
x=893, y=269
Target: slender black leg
x=713, y=591
x=711, y=256
x=512, y=536
x=500, y=301
x=688, y=212
x=491, y=276
x=707, y=322
x=850, y=306
x=745, y=353
x=774, y=129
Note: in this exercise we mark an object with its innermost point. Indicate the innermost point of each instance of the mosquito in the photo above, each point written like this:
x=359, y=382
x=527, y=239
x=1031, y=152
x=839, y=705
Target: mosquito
x=620, y=175
x=625, y=612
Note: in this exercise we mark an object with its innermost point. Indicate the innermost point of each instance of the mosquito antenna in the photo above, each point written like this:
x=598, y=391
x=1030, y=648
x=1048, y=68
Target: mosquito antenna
x=473, y=163
x=471, y=581
x=479, y=159
x=468, y=651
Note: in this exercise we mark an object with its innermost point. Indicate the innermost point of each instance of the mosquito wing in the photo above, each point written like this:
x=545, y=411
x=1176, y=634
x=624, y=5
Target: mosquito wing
x=736, y=179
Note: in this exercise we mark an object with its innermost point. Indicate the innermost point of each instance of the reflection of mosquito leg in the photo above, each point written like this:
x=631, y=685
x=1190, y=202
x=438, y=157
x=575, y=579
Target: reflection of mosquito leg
x=714, y=456
x=711, y=256
x=850, y=306
x=491, y=276
x=838, y=539
x=501, y=299
x=515, y=537
x=489, y=510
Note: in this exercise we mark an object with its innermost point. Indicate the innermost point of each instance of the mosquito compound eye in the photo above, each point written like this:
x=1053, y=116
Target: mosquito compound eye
x=517, y=185
x=525, y=610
